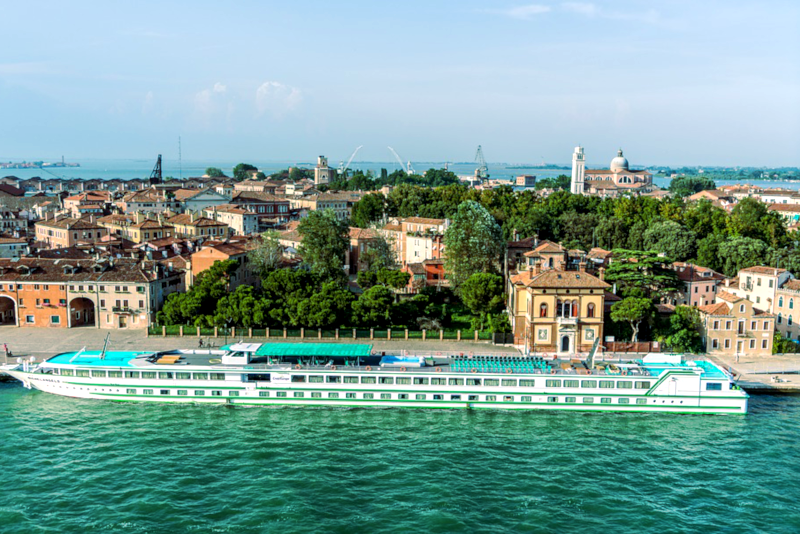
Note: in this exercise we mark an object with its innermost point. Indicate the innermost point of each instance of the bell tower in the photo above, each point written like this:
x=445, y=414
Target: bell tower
x=578, y=169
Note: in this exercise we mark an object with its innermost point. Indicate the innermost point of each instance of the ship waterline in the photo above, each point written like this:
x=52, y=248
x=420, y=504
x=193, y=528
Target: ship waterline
x=350, y=375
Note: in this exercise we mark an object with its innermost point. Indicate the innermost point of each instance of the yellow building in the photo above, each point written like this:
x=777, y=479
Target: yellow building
x=556, y=311
x=136, y=227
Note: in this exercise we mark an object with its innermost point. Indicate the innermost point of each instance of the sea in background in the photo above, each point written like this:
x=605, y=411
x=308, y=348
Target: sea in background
x=141, y=168
x=83, y=466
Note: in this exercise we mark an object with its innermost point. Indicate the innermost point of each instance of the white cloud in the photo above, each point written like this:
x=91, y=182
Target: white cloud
x=581, y=8
x=219, y=88
x=277, y=98
x=526, y=12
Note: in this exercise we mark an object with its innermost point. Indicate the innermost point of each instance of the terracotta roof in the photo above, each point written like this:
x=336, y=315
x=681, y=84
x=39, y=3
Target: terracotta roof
x=793, y=208
x=557, y=279
x=241, y=197
x=393, y=228
x=424, y=220
x=598, y=253
x=363, y=233
x=688, y=272
x=230, y=208
x=416, y=268
x=10, y=240
x=80, y=270
x=69, y=223
x=185, y=219
x=11, y=190
x=720, y=308
x=528, y=242
x=759, y=269
x=792, y=285
x=728, y=297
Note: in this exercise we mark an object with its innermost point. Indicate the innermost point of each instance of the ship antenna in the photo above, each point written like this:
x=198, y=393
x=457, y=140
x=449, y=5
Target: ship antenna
x=105, y=344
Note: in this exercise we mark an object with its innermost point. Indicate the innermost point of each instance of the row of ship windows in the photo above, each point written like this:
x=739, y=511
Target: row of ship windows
x=387, y=396
x=386, y=380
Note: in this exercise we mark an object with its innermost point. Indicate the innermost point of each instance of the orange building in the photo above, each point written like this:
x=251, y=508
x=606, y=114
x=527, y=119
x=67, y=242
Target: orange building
x=65, y=232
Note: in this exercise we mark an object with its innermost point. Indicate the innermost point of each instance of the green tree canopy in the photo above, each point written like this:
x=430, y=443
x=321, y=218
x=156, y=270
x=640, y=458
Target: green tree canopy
x=326, y=241
x=632, y=310
x=215, y=172
x=642, y=273
x=373, y=308
x=684, y=186
x=672, y=239
x=268, y=255
x=483, y=294
x=740, y=253
x=684, y=331
x=473, y=242
x=369, y=209
x=242, y=171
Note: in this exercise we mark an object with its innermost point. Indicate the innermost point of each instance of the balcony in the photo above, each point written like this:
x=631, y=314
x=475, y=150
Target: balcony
x=745, y=334
x=123, y=309
x=567, y=321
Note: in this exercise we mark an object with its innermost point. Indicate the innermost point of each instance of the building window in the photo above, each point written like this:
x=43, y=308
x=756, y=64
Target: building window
x=29, y=319
x=780, y=318
x=55, y=319
x=727, y=343
x=789, y=320
x=780, y=302
x=715, y=343
x=763, y=343
x=791, y=304
x=752, y=343
x=543, y=310
x=766, y=325
x=716, y=325
x=590, y=310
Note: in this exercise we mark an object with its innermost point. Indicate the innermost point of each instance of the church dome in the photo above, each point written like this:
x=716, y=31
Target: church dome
x=619, y=163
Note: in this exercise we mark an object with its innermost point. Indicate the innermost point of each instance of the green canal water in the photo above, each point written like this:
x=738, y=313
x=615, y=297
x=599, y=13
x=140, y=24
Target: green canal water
x=92, y=466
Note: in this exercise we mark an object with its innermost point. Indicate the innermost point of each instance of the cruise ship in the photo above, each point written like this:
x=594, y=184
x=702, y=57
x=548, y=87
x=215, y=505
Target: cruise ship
x=334, y=374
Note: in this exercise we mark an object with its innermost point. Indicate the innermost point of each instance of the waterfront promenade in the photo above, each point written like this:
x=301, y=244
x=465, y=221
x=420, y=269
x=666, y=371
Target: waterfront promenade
x=42, y=343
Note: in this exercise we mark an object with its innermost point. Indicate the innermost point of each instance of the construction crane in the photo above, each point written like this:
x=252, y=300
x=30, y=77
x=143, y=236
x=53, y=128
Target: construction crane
x=482, y=171
x=406, y=167
x=155, y=176
x=342, y=167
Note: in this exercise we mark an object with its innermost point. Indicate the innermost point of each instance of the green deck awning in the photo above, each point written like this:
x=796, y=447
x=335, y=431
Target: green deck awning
x=342, y=350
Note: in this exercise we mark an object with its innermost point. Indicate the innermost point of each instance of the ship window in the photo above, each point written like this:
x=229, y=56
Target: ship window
x=280, y=394
x=606, y=384
x=472, y=397
x=351, y=380
x=350, y=395
x=456, y=381
x=588, y=383
x=299, y=394
x=316, y=379
x=130, y=391
x=369, y=396
x=148, y=374
x=185, y=376
x=491, y=398
x=368, y=380
x=402, y=396
x=570, y=383
x=216, y=393
x=713, y=386
x=605, y=400
x=404, y=380
x=386, y=396
x=623, y=401
x=473, y=381
x=99, y=374
x=200, y=376
x=508, y=398
x=455, y=397
x=420, y=381
x=510, y=382
x=199, y=393
x=438, y=397
x=82, y=372
x=333, y=379
x=115, y=374
x=438, y=381
x=183, y=392
x=570, y=399
x=70, y=372
x=386, y=380
x=217, y=376
x=641, y=401
x=644, y=384
x=526, y=398
x=298, y=378
x=526, y=383
x=624, y=384
x=164, y=392
x=316, y=395
x=333, y=395
x=165, y=376
x=553, y=383
x=147, y=391
x=588, y=400
x=552, y=399
x=491, y=382
x=233, y=393
x=263, y=393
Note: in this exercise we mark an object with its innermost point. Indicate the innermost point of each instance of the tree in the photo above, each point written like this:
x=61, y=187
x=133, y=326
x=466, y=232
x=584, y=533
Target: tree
x=577, y=229
x=378, y=254
x=641, y=273
x=684, y=330
x=751, y=218
x=242, y=171
x=392, y=278
x=684, y=186
x=368, y=210
x=782, y=345
x=373, y=307
x=632, y=310
x=560, y=183
x=267, y=256
x=610, y=233
x=325, y=242
x=473, y=242
x=215, y=172
x=483, y=294
x=325, y=308
x=740, y=253
x=670, y=238
x=708, y=252
x=198, y=305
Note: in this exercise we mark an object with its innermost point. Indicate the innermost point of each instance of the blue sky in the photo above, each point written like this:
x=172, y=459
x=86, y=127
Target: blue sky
x=679, y=82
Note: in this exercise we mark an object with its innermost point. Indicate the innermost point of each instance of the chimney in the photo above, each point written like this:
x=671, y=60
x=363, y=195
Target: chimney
x=536, y=268
x=582, y=266
x=192, y=216
x=516, y=235
x=601, y=273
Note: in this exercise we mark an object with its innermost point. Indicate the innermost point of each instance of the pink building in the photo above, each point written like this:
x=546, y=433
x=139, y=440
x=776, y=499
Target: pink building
x=699, y=285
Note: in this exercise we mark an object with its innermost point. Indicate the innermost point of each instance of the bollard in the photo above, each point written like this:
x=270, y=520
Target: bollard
x=371, y=333
x=284, y=332
x=302, y=333
x=250, y=332
x=424, y=334
x=164, y=331
x=458, y=335
x=406, y=333
x=319, y=333
x=388, y=333
x=337, y=333
x=181, y=331
x=216, y=332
